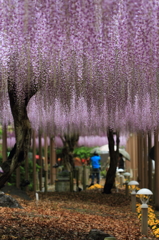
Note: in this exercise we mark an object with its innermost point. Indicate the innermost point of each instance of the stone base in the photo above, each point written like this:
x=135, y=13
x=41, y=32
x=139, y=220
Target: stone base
x=62, y=185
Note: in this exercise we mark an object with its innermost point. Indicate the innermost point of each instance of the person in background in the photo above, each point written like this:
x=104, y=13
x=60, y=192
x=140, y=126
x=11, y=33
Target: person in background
x=121, y=161
x=95, y=162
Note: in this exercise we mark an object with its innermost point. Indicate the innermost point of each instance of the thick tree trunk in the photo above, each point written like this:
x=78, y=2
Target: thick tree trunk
x=110, y=177
x=20, y=150
x=22, y=132
x=69, y=142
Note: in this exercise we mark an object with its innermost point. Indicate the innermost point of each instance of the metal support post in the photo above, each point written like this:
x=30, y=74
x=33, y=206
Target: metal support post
x=144, y=221
x=126, y=189
x=133, y=201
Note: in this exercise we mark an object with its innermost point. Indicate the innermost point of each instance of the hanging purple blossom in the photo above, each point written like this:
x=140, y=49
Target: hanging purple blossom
x=93, y=64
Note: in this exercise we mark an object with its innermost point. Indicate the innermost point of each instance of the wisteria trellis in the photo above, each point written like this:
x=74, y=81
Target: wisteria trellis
x=93, y=64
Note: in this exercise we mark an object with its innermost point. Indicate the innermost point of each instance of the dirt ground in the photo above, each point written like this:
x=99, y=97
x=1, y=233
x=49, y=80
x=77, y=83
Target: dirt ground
x=69, y=216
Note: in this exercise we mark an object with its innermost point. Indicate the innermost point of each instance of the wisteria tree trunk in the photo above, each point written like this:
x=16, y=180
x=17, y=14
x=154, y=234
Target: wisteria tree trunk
x=114, y=154
x=69, y=144
x=22, y=132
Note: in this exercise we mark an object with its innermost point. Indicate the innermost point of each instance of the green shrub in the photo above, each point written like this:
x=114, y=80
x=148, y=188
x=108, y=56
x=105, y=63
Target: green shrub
x=103, y=173
x=83, y=152
x=12, y=179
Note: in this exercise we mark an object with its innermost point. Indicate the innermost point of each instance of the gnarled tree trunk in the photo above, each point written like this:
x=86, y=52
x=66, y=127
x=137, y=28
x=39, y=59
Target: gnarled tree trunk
x=22, y=132
x=69, y=143
x=110, y=177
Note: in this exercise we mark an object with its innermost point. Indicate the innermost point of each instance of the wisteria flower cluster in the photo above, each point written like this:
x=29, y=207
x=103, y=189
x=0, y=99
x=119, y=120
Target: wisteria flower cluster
x=92, y=64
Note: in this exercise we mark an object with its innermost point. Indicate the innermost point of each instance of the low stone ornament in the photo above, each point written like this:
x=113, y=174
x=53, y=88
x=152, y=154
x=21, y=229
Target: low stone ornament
x=96, y=234
x=8, y=201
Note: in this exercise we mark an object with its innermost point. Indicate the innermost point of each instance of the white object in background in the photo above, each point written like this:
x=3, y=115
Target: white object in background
x=131, y=173
x=124, y=153
x=37, y=196
x=153, y=166
x=120, y=170
x=126, y=174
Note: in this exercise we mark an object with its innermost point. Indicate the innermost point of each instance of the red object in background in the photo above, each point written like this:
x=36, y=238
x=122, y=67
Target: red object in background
x=83, y=160
x=37, y=156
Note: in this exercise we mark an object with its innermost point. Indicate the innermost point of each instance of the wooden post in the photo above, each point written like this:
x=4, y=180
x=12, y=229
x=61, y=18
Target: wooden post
x=71, y=181
x=136, y=158
x=139, y=159
x=46, y=163
x=34, y=161
x=142, y=162
x=132, y=152
x=18, y=177
x=154, y=178
x=84, y=177
x=145, y=160
x=149, y=163
x=52, y=160
x=26, y=171
x=4, y=143
x=40, y=163
x=77, y=179
x=156, y=192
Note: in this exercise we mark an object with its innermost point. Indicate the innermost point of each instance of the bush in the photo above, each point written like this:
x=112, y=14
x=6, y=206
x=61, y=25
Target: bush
x=103, y=173
x=83, y=152
x=12, y=179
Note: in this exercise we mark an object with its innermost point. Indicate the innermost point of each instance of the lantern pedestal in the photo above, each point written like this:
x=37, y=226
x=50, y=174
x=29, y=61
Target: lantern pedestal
x=126, y=189
x=144, y=220
x=133, y=201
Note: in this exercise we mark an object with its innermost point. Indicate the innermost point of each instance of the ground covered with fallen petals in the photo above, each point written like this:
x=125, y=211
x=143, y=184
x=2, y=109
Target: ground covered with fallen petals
x=70, y=216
